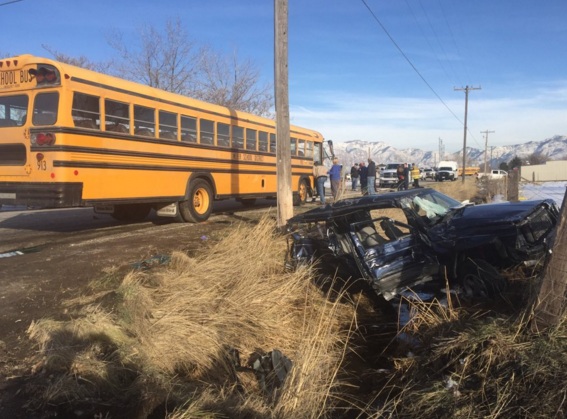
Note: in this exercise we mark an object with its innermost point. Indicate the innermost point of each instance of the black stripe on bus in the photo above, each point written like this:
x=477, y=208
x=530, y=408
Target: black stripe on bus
x=138, y=154
x=188, y=169
x=143, y=139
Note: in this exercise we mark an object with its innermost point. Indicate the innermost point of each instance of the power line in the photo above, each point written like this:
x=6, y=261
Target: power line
x=10, y=2
x=409, y=61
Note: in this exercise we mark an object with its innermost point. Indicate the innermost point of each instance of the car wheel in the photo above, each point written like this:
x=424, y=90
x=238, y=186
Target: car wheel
x=479, y=279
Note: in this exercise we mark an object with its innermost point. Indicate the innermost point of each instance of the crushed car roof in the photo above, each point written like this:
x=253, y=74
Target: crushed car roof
x=349, y=205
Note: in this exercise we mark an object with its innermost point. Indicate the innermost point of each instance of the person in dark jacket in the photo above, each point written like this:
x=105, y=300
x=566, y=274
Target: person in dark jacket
x=354, y=174
x=371, y=177
x=407, y=174
x=363, y=179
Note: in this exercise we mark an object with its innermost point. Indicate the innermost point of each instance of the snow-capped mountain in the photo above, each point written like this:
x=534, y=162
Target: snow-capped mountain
x=354, y=151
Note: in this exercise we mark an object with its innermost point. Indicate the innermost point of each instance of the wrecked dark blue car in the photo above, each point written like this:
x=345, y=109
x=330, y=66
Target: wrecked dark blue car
x=400, y=239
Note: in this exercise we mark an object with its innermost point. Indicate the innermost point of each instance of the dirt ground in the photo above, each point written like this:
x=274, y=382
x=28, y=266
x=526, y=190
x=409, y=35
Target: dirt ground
x=50, y=256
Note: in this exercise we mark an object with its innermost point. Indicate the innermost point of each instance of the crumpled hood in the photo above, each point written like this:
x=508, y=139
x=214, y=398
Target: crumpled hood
x=503, y=212
x=472, y=225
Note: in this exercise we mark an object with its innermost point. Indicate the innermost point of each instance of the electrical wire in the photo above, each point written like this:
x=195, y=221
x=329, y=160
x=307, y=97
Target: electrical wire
x=10, y=2
x=410, y=62
x=417, y=71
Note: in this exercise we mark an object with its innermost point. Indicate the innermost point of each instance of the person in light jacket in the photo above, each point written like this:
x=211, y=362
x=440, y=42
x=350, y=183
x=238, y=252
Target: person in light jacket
x=320, y=175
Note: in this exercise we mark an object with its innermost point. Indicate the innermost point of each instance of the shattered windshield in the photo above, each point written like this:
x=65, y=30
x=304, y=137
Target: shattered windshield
x=432, y=205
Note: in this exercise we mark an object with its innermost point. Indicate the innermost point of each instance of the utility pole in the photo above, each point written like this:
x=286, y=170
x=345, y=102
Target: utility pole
x=486, y=149
x=283, y=147
x=466, y=89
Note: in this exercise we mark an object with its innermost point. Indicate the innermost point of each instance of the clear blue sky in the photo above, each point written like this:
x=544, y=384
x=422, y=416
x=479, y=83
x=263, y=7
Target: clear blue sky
x=347, y=78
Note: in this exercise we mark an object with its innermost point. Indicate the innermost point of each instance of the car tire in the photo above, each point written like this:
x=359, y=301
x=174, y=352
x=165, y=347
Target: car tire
x=479, y=279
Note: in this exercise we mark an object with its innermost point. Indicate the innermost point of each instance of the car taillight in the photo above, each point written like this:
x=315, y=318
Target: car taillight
x=43, y=138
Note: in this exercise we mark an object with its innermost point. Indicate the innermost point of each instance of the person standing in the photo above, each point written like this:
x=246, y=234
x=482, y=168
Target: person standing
x=320, y=175
x=335, y=176
x=354, y=174
x=371, y=177
x=407, y=175
x=400, y=173
x=363, y=179
x=415, y=175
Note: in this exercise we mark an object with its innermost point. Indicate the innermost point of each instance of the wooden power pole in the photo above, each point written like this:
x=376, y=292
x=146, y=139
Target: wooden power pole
x=283, y=147
x=486, y=150
x=466, y=89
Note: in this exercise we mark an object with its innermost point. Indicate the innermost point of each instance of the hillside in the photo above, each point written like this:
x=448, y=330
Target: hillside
x=349, y=152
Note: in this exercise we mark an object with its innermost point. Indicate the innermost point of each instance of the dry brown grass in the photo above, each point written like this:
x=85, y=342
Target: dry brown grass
x=164, y=338
x=170, y=335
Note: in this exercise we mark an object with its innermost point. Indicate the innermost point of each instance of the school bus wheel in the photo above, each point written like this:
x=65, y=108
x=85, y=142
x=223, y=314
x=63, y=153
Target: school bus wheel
x=301, y=197
x=199, y=206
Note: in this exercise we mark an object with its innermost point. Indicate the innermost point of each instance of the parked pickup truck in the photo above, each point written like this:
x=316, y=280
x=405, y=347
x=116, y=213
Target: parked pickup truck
x=495, y=174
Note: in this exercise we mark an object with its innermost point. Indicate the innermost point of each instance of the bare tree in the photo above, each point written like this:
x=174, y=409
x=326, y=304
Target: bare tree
x=226, y=81
x=167, y=59
x=171, y=61
x=81, y=61
x=537, y=158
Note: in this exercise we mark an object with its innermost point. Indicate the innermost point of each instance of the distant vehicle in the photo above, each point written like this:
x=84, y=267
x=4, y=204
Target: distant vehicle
x=447, y=171
x=428, y=174
x=400, y=239
x=495, y=174
x=469, y=171
x=389, y=176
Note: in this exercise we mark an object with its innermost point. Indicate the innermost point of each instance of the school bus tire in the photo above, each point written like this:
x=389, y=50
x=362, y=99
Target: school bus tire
x=300, y=197
x=199, y=206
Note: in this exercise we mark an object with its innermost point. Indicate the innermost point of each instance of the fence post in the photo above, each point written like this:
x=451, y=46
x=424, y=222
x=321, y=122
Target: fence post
x=513, y=188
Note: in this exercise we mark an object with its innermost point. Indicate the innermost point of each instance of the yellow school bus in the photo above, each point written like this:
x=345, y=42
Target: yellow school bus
x=74, y=137
x=469, y=171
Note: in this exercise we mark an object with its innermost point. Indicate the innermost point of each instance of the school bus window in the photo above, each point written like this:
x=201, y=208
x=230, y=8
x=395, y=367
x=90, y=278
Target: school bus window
x=251, y=139
x=262, y=141
x=188, y=129
x=237, y=137
x=206, y=131
x=272, y=143
x=45, y=108
x=86, y=111
x=13, y=110
x=309, y=149
x=301, y=148
x=167, y=125
x=144, y=121
x=293, y=146
x=117, y=116
x=318, y=153
x=223, y=134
